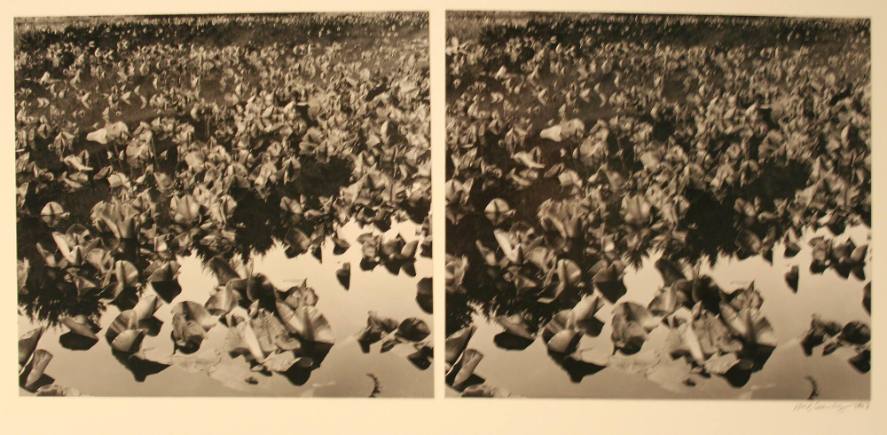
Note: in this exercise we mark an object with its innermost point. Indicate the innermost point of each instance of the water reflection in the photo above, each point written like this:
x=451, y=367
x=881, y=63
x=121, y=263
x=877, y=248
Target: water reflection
x=584, y=151
x=340, y=369
x=172, y=170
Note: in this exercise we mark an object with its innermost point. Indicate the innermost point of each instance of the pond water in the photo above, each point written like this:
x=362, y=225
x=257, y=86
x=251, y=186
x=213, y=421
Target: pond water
x=345, y=371
x=787, y=374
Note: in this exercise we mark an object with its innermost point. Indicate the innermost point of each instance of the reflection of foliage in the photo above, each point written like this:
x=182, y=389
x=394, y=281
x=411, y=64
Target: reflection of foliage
x=293, y=170
x=591, y=142
x=140, y=140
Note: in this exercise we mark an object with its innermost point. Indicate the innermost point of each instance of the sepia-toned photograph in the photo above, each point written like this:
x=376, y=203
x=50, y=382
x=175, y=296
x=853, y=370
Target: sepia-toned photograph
x=224, y=205
x=658, y=206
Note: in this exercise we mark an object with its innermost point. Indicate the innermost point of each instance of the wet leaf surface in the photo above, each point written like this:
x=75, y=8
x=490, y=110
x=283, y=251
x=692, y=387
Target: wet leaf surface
x=622, y=182
x=145, y=164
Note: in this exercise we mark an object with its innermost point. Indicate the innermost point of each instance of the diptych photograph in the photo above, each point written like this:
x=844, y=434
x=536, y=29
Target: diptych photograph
x=658, y=206
x=633, y=206
x=224, y=205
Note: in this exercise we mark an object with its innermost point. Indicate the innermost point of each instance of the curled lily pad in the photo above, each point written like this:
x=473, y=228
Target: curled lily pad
x=297, y=242
x=517, y=326
x=636, y=210
x=109, y=133
x=223, y=300
x=608, y=279
x=498, y=211
x=820, y=330
x=241, y=338
x=190, y=323
x=282, y=362
x=33, y=373
x=377, y=326
x=81, y=326
x=750, y=325
x=146, y=306
x=512, y=249
x=164, y=279
x=124, y=276
x=457, y=342
x=27, y=343
x=307, y=323
x=124, y=333
x=584, y=314
x=413, y=329
x=666, y=301
x=301, y=295
x=465, y=366
x=222, y=269
x=560, y=333
x=456, y=267
x=670, y=271
x=52, y=213
x=631, y=324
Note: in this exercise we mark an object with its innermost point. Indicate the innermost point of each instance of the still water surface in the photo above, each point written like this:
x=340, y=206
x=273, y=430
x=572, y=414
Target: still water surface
x=211, y=372
x=532, y=373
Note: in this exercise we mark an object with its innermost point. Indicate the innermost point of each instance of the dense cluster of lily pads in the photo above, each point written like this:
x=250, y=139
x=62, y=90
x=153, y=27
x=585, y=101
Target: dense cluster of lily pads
x=143, y=140
x=578, y=146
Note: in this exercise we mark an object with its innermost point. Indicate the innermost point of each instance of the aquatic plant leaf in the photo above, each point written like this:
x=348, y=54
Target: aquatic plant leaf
x=517, y=326
x=187, y=334
x=283, y=362
x=424, y=295
x=498, y=211
x=27, y=343
x=413, y=329
x=128, y=341
x=456, y=267
x=248, y=340
x=80, y=325
x=308, y=324
x=631, y=323
x=791, y=278
x=560, y=333
x=867, y=297
x=466, y=366
x=52, y=213
x=222, y=301
x=485, y=390
x=34, y=372
x=666, y=301
x=145, y=308
x=513, y=252
x=608, y=280
x=222, y=269
x=343, y=274
x=457, y=342
x=23, y=270
x=862, y=361
x=670, y=271
x=196, y=312
x=55, y=390
x=301, y=295
x=856, y=332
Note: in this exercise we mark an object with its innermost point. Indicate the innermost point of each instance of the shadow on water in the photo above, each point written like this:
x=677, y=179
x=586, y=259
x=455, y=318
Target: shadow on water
x=762, y=201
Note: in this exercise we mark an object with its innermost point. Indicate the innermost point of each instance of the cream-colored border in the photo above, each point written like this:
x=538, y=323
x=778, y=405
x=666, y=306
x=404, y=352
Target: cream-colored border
x=291, y=416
